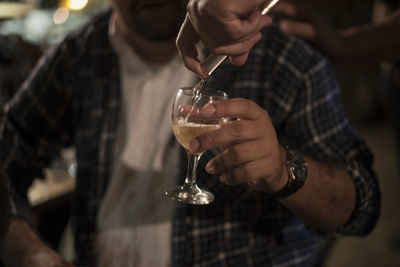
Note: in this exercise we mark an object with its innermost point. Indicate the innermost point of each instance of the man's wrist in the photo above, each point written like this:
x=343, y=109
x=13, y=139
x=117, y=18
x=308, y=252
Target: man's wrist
x=284, y=174
x=294, y=173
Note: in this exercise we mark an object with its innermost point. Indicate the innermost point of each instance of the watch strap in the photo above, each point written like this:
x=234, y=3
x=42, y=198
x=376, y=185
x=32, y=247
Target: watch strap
x=297, y=173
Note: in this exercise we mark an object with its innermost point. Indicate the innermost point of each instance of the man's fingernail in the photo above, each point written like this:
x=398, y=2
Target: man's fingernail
x=194, y=145
x=209, y=111
x=222, y=178
x=210, y=168
x=204, y=72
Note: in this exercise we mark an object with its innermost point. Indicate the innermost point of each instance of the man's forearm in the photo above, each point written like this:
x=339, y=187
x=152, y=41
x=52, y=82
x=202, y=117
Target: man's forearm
x=327, y=199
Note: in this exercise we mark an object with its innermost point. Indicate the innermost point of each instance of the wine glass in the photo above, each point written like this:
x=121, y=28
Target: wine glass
x=187, y=124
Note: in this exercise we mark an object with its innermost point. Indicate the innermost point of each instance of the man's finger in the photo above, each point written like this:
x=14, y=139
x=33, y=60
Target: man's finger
x=249, y=171
x=235, y=132
x=234, y=108
x=293, y=11
x=185, y=42
x=247, y=27
x=299, y=29
x=239, y=48
x=235, y=155
x=239, y=60
x=191, y=62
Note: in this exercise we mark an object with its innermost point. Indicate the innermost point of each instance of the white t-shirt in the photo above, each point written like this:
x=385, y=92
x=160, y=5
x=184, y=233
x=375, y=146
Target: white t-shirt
x=135, y=217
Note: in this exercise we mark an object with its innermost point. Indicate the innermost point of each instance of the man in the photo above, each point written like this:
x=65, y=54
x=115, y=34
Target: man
x=107, y=89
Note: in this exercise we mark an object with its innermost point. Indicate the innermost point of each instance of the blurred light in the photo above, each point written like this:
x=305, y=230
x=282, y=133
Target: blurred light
x=76, y=4
x=60, y=15
x=10, y=9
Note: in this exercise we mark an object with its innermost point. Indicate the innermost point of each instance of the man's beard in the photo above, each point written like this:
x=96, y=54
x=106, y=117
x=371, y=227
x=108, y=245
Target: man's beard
x=158, y=24
x=158, y=31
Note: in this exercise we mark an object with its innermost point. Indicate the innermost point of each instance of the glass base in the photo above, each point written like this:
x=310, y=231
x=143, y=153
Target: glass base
x=190, y=194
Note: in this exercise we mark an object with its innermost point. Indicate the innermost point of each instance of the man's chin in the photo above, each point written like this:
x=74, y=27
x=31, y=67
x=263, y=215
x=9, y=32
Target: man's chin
x=152, y=37
x=151, y=5
x=160, y=10
x=159, y=31
x=156, y=21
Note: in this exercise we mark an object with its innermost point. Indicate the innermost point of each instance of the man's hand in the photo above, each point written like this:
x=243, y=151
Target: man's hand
x=370, y=43
x=23, y=248
x=303, y=22
x=226, y=27
x=251, y=152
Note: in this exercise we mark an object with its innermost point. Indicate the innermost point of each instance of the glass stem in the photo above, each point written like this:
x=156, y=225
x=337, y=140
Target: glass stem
x=193, y=161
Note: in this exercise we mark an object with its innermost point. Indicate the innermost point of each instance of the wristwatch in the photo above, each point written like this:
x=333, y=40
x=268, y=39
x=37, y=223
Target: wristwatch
x=297, y=172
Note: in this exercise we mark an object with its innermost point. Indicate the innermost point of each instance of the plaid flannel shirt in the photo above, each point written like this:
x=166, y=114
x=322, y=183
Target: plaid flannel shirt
x=72, y=98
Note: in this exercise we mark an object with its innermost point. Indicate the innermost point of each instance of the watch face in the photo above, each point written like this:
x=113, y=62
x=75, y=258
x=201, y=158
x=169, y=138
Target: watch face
x=298, y=181
x=299, y=169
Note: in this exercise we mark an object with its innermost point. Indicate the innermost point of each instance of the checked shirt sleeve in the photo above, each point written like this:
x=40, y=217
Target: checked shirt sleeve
x=35, y=127
x=318, y=127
